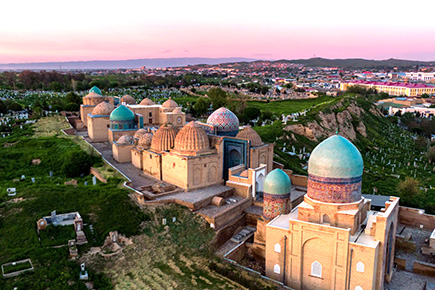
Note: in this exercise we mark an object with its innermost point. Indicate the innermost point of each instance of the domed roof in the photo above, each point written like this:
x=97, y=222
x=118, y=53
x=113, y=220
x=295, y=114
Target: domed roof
x=125, y=140
x=164, y=138
x=128, y=100
x=251, y=135
x=93, y=95
x=139, y=133
x=122, y=113
x=146, y=102
x=145, y=140
x=335, y=157
x=96, y=90
x=277, y=182
x=103, y=109
x=169, y=104
x=177, y=110
x=192, y=137
x=224, y=120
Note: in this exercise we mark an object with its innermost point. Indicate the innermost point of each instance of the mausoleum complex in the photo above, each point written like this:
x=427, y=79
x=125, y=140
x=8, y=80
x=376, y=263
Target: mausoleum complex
x=315, y=232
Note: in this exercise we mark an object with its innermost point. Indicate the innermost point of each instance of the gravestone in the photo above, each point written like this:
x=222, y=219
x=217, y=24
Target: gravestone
x=94, y=180
x=54, y=218
x=33, y=179
x=83, y=272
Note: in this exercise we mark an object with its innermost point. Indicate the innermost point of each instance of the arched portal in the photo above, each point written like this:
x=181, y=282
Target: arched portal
x=259, y=182
x=235, y=158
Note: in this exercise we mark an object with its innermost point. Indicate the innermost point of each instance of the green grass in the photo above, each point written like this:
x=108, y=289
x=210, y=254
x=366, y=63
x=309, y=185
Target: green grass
x=17, y=267
x=289, y=106
x=106, y=206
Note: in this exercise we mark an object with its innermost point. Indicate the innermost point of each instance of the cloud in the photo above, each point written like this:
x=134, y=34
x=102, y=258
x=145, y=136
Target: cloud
x=167, y=51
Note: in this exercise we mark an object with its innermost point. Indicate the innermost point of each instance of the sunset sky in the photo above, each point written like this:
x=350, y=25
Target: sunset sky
x=39, y=31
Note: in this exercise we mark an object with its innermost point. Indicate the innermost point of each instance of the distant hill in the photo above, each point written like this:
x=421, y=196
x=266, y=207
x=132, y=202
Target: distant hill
x=120, y=64
x=355, y=63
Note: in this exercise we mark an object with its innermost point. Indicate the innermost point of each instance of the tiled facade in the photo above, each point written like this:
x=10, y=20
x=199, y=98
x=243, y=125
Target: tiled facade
x=334, y=190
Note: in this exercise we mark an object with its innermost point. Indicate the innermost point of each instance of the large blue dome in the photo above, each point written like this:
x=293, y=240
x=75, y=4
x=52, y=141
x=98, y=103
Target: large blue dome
x=335, y=157
x=96, y=90
x=277, y=182
x=122, y=113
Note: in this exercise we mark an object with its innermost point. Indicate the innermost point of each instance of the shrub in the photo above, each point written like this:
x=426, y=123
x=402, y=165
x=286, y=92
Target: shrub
x=72, y=107
x=75, y=163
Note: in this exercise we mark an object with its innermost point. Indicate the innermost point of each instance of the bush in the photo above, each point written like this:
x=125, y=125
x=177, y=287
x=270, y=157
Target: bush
x=76, y=163
x=72, y=107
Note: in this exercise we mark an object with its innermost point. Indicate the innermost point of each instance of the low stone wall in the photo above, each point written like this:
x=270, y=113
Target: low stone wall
x=237, y=254
x=98, y=175
x=423, y=268
x=400, y=263
x=225, y=233
x=402, y=243
x=299, y=180
x=240, y=189
x=415, y=217
x=231, y=213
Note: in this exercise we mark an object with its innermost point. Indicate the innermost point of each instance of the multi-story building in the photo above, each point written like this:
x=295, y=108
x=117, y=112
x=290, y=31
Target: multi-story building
x=391, y=88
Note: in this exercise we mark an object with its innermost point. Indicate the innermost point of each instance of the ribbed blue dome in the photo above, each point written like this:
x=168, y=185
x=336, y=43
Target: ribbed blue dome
x=336, y=157
x=122, y=113
x=96, y=90
x=277, y=182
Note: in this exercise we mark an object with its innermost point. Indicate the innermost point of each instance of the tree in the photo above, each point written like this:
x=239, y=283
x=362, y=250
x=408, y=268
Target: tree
x=251, y=113
x=218, y=97
x=430, y=154
x=72, y=107
x=409, y=191
x=201, y=106
x=72, y=97
x=3, y=108
x=407, y=118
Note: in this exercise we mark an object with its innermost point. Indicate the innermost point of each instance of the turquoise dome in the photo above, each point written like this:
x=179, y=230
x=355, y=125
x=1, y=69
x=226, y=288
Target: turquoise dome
x=277, y=182
x=122, y=113
x=96, y=90
x=335, y=157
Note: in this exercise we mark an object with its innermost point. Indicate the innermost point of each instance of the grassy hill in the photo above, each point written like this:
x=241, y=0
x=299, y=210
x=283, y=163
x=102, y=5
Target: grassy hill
x=389, y=152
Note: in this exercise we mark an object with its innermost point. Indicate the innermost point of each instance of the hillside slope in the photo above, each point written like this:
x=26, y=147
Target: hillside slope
x=389, y=152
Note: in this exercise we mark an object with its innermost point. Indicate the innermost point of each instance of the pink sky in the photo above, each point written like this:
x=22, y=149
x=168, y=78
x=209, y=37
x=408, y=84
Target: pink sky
x=110, y=30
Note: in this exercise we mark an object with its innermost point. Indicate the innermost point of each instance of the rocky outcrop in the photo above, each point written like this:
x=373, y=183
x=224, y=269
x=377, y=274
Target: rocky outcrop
x=341, y=119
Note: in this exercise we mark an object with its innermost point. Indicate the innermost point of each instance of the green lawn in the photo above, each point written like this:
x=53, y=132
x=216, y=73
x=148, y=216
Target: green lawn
x=289, y=106
x=106, y=206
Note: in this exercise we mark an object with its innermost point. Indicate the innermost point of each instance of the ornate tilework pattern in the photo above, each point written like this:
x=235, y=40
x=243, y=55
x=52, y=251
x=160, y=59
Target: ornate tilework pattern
x=274, y=205
x=334, y=190
x=224, y=120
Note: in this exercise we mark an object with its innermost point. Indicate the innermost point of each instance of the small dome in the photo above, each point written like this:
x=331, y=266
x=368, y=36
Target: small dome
x=129, y=100
x=139, y=133
x=145, y=141
x=192, y=137
x=277, y=182
x=164, y=138
x=335, y=157
x=125, y=140
x=224, y=120
x=169, y=104
x=92, y=95
x=251, y=135
x=146, y=102
x=103, y=109
x=96, y=90
x=177, y=110
x=122, y=113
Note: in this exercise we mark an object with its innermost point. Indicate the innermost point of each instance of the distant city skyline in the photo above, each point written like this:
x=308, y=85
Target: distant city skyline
x=95, y=30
